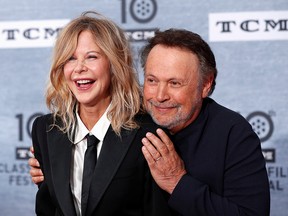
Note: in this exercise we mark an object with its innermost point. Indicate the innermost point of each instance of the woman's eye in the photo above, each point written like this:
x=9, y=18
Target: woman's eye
x=92, y=57
x=71, y=58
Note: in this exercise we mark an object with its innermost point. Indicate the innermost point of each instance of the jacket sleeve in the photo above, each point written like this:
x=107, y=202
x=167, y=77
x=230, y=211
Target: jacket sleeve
x=44, y=204
x=155, y=199
x=245, y=182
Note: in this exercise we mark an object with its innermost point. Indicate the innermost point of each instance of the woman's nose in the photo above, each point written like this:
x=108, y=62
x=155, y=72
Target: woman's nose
x=80, y=67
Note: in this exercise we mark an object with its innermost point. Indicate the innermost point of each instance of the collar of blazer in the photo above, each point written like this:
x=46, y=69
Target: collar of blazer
x=112, y=154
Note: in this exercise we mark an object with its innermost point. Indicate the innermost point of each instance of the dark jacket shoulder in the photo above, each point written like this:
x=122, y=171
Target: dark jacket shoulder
x=221, y=114
x=146, y=123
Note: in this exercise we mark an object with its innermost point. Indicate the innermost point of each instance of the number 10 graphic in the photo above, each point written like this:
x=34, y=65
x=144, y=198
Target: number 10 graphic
x=141, y=11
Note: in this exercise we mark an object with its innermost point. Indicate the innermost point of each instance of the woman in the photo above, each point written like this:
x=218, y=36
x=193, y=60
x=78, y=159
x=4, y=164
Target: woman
x=93, y=90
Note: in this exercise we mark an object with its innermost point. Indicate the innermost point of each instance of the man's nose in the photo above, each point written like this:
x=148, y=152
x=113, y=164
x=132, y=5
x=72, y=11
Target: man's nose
x=162, y=92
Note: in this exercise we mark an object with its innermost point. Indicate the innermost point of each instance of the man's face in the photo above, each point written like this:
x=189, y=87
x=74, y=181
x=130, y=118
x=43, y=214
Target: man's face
x=173, y=91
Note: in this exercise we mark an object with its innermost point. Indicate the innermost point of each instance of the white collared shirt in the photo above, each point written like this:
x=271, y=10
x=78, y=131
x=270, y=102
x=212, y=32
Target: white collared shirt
x=99, y=130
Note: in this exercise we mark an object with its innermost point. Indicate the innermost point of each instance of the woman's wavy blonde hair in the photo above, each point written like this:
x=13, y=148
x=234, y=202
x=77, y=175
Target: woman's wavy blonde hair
x=125, y=90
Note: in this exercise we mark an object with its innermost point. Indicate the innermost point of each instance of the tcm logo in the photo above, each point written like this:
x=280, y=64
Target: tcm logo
x=30, y=34
x=141, y=11
x=138, y=35
x=248, y=26
x=269, y=155
x=23, y=153
x=263, y=126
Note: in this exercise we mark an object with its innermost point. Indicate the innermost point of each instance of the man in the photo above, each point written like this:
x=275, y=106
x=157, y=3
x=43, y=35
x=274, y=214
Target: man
x=212, y=163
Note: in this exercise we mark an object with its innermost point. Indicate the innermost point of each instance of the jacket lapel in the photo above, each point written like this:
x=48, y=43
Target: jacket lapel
x=112, y=154
x=60, y=151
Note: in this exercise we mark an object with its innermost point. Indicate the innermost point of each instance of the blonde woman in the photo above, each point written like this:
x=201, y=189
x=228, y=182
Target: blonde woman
x=93, y=91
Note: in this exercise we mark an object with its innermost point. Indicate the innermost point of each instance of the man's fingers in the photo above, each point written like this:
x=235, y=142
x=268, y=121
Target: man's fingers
x=151, y=149
x=36, y=175
x=158, y=143
x=38, y=179
x=33, y=162
x=150, y=160
x=32, y=150
x=165, y=139
x=35, y=172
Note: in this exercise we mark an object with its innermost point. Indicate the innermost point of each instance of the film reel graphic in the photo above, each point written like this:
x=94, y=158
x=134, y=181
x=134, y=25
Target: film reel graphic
x=262, y=125
x=143, y=10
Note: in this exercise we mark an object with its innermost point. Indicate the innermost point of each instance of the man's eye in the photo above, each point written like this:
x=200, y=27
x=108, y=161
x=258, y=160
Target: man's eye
x=150, y=80
x=175, y=83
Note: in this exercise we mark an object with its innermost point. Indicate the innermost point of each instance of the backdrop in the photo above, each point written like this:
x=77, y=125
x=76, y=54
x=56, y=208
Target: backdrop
x=249, y=39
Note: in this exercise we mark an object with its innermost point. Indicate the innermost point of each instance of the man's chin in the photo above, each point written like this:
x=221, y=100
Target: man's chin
x=161, y=121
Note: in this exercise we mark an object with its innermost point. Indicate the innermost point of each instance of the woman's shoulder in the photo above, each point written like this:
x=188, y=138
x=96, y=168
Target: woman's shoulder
x=144, y=119
x=146, y=123
x=40, y=125
x=46, y=118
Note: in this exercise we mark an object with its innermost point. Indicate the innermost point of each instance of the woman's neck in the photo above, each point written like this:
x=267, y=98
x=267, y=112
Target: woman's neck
x=90, y=115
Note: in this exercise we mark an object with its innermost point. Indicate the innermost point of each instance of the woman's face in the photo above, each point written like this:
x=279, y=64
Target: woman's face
x=87, y=72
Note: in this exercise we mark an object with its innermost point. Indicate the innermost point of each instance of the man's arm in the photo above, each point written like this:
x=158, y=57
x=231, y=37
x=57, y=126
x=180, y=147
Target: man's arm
x=245, y=185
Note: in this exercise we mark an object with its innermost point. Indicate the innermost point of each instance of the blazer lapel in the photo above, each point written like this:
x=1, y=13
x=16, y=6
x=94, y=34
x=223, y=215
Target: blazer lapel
x=112, y=153
x=60, y=151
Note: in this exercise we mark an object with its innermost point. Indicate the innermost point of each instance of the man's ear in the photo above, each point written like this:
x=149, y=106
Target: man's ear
x=207, y=86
